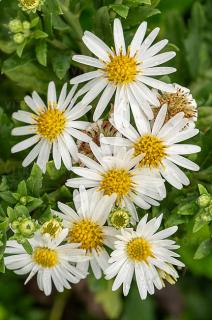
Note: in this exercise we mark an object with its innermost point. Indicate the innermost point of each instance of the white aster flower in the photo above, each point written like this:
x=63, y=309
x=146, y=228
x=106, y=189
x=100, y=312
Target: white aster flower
x=124, y=72
x=159, y=144
x=179, y=101
x=52, y=128
x=146, y=253
x=115, y=174
x=51, y=261
x=86, y=226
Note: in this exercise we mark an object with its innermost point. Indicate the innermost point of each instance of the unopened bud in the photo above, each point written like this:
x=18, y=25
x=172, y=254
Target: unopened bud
x=18, y=38
x=15, y=26
x=27, y=227
x=203, y=200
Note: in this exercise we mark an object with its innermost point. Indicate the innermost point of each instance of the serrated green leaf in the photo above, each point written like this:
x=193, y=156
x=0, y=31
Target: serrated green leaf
x=204, y=249
x=20, y=48
x=41, y=52
x=121, y=9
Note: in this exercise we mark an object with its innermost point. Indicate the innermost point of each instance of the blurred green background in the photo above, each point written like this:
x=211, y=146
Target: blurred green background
x=188, y=26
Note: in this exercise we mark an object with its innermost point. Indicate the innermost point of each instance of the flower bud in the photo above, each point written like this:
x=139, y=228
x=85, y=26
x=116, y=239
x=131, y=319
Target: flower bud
x=15, y=225
x=15, y=26
x=26, y=25
x=52, y=227
x=27, y=227
x=203, y=200
x=23, y=200
x=119, y=218
x=18, y=38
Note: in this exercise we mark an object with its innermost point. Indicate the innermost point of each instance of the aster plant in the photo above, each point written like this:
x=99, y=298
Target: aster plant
x=114, y=155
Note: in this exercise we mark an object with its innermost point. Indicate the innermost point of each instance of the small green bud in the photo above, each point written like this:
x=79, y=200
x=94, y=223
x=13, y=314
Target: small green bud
x=15, y=225
x=119, y=218
x=23, y=200
x=203, y=200
x=26, y=25
x=27, y=227
x=18, y=38
x=15, y=26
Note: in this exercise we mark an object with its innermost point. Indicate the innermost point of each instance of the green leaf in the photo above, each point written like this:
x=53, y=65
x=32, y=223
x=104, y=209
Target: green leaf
x=27, y=246
x=204, y=249
x=41, y=52
x=138, y=2
x=61, y=63
x=7, y=197
x=34, y=204
x=7, y=47
x=121, y=9
x=22, y=188
x=188, y=209
x=24, y=71
x=12, y=214
x=34, y=22
x=39, y=34
x=103, y=27
x=4, y=225
x=34, y=182
x=20, y=48
x=138, y=14
x=52, y=6
x=202, y=189
x=2, y=266
x=21, y=211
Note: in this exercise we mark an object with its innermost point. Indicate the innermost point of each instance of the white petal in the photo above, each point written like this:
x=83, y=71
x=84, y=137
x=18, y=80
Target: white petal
x=95, y=47
x=52, y=99
x=33, y=154
x=157, y=84
x=118, y=37
x=158, y=59
x=138, y=38
x=157, y=71
x=159, y=121
x=25, y=130
x=88, y=61
x=103, y=101
x=93, y=93
x=25, y=144
x=86, y=76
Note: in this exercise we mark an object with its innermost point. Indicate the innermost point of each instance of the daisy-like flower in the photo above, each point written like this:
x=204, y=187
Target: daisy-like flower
x=86, y=226
x=116, y=174
x=159, y=144
x=52, y=128
x=179, y=101
x=51, y=261
x=124, y=72
x=144, y=252
x=31, y=5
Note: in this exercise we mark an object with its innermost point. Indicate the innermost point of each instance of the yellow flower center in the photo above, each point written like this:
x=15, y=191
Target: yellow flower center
x=86, y=232
x=50, y=123
x=138, y=249
x=121, y=69
x=152, y=147
x=176, y=102
x=30, y=4
x=116, y=181
x=52, y=227
x=45, y=257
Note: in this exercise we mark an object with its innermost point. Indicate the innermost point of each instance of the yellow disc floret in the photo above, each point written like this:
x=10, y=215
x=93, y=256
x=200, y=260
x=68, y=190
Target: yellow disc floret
x=116, y=181
x=50, y=123
x=52, y=227
x=153, y=149
x=30, y=4
x=121, y=69
x=138, y=249
x=86, y=232
x=45, y=257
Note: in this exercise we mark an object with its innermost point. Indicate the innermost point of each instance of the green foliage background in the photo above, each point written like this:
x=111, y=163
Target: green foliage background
x=45, y=55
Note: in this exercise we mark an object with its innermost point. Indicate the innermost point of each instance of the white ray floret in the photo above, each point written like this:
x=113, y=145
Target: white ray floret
x=86, y=226
x=159, y=142
x=123, y=72
x=145, y=253
x=52, y=128
x=116, y=173
x=51, y=261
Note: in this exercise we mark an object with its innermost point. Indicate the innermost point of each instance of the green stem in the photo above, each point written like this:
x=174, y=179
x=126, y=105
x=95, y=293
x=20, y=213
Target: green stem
x=59, y=306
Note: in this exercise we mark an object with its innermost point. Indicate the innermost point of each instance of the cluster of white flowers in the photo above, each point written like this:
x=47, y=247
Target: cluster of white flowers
x=124, y=163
